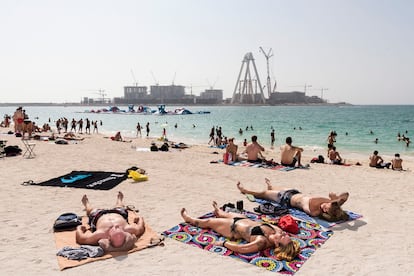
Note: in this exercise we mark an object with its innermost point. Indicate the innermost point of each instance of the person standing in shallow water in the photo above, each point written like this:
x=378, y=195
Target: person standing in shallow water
x=139, y=130
x=272, y=138
x=147, y=128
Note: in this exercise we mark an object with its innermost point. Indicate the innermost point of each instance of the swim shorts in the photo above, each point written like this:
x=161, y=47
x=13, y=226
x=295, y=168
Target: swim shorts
x=291, y=164
x=285, y=196
x=95, y=215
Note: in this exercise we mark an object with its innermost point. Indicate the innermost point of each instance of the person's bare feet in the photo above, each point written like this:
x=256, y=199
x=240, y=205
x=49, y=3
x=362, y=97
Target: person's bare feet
x=217, y=211
x=269, y=185
x=85, y=200
x=120, y=196
x=186, y=217
x=240, y=187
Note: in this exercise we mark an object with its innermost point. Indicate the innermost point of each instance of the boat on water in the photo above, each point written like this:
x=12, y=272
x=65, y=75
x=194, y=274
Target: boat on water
x=144, y=110
x=141, y=110
x=178, y=111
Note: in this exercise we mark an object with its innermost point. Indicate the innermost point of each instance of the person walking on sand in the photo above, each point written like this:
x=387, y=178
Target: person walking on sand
x=212, y=131
x=289, y=154
x=95, y=126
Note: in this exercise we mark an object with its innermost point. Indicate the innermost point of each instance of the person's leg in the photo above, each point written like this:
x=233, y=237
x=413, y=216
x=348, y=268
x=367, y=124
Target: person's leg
x=268, y=194
x=120, y=200
x=87, y=204
x=298, y=156
x=220, y=225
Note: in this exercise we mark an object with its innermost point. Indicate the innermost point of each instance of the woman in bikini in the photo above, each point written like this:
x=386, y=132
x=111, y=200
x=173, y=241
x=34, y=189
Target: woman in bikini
x=259, y=236
x=327, y=208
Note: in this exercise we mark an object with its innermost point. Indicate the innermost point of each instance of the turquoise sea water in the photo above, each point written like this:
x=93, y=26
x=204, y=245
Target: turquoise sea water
x=309, y=126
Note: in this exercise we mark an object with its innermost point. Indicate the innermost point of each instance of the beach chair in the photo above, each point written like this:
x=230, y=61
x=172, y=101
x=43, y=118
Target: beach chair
x=29, y=152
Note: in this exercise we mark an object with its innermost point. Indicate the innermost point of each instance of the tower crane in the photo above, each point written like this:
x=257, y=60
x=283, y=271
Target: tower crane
x=268, y=55
x=133, y=76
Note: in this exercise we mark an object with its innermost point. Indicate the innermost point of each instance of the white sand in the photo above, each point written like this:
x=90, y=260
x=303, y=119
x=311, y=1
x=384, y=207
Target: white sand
x=378, y=244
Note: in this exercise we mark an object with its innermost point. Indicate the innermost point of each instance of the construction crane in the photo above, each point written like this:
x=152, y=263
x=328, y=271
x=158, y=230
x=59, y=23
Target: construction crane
x=304, y=87
x=102, y=93
x=133, y=76
x=214, y=84
x=322, y=90
x=268, y=55
x=153, y=76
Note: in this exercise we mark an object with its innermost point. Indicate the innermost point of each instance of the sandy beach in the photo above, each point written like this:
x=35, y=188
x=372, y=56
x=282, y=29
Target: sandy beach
x=378, y=243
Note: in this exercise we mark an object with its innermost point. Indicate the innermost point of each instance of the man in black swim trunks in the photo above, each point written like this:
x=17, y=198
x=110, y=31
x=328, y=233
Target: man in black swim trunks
x=329, y=208
x=109, y=228
x=289, y=154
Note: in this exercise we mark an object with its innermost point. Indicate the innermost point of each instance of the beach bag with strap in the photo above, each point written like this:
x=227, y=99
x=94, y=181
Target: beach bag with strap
x=67, y=221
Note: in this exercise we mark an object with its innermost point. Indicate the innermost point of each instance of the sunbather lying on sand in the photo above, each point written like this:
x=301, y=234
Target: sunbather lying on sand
x=109, y=228
x=259, y=236
x=327, y=208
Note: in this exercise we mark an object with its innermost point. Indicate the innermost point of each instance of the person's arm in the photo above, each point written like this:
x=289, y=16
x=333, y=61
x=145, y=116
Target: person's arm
x=84, y=236
x=260, y=146
x=297, y=148
x=251, y=247
x=136, y=228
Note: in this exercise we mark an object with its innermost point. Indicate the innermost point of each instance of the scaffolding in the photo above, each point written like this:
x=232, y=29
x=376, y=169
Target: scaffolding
x=248, y=90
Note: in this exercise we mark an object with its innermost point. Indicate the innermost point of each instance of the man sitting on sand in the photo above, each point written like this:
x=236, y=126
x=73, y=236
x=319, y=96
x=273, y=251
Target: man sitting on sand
x=289, y=154
x=376, y=161
x=254, y=151
x=109, y=228
x=396, y=163
x=328, y=209
x=334, y=156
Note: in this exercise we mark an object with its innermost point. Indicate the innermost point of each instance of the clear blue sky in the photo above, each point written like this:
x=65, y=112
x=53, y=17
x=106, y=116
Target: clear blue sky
x=61, y=51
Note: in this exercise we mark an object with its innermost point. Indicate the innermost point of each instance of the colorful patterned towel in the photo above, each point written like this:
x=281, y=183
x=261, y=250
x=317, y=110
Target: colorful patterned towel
x=303, y=216
x=310, y=237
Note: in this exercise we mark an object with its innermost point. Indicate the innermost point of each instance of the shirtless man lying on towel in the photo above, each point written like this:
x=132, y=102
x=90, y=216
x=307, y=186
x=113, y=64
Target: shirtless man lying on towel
x=109, y=228
x=327, y=208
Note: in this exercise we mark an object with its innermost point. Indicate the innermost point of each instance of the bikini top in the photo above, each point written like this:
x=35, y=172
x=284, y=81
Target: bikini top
x=257, y=230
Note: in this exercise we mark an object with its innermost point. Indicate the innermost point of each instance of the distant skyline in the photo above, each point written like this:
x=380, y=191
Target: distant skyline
x=361, y=52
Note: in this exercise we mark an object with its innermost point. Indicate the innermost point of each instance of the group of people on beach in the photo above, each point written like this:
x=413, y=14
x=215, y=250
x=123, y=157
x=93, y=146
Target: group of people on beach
x=290, y=155
x=118, y=228
x=24, y=125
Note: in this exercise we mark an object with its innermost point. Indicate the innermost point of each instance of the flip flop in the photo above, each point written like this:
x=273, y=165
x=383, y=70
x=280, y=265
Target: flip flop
x=251, y=197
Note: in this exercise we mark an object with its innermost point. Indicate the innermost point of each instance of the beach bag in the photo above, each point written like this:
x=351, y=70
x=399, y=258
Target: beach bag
x=288, y=224
x=270, y=209
x=226, y=157
x=67, y=221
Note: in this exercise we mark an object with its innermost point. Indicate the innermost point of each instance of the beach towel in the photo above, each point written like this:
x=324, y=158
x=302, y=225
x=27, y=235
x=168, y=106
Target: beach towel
x=310, y=237
x=300, y=215
x=68, y=239
x=96, y=180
